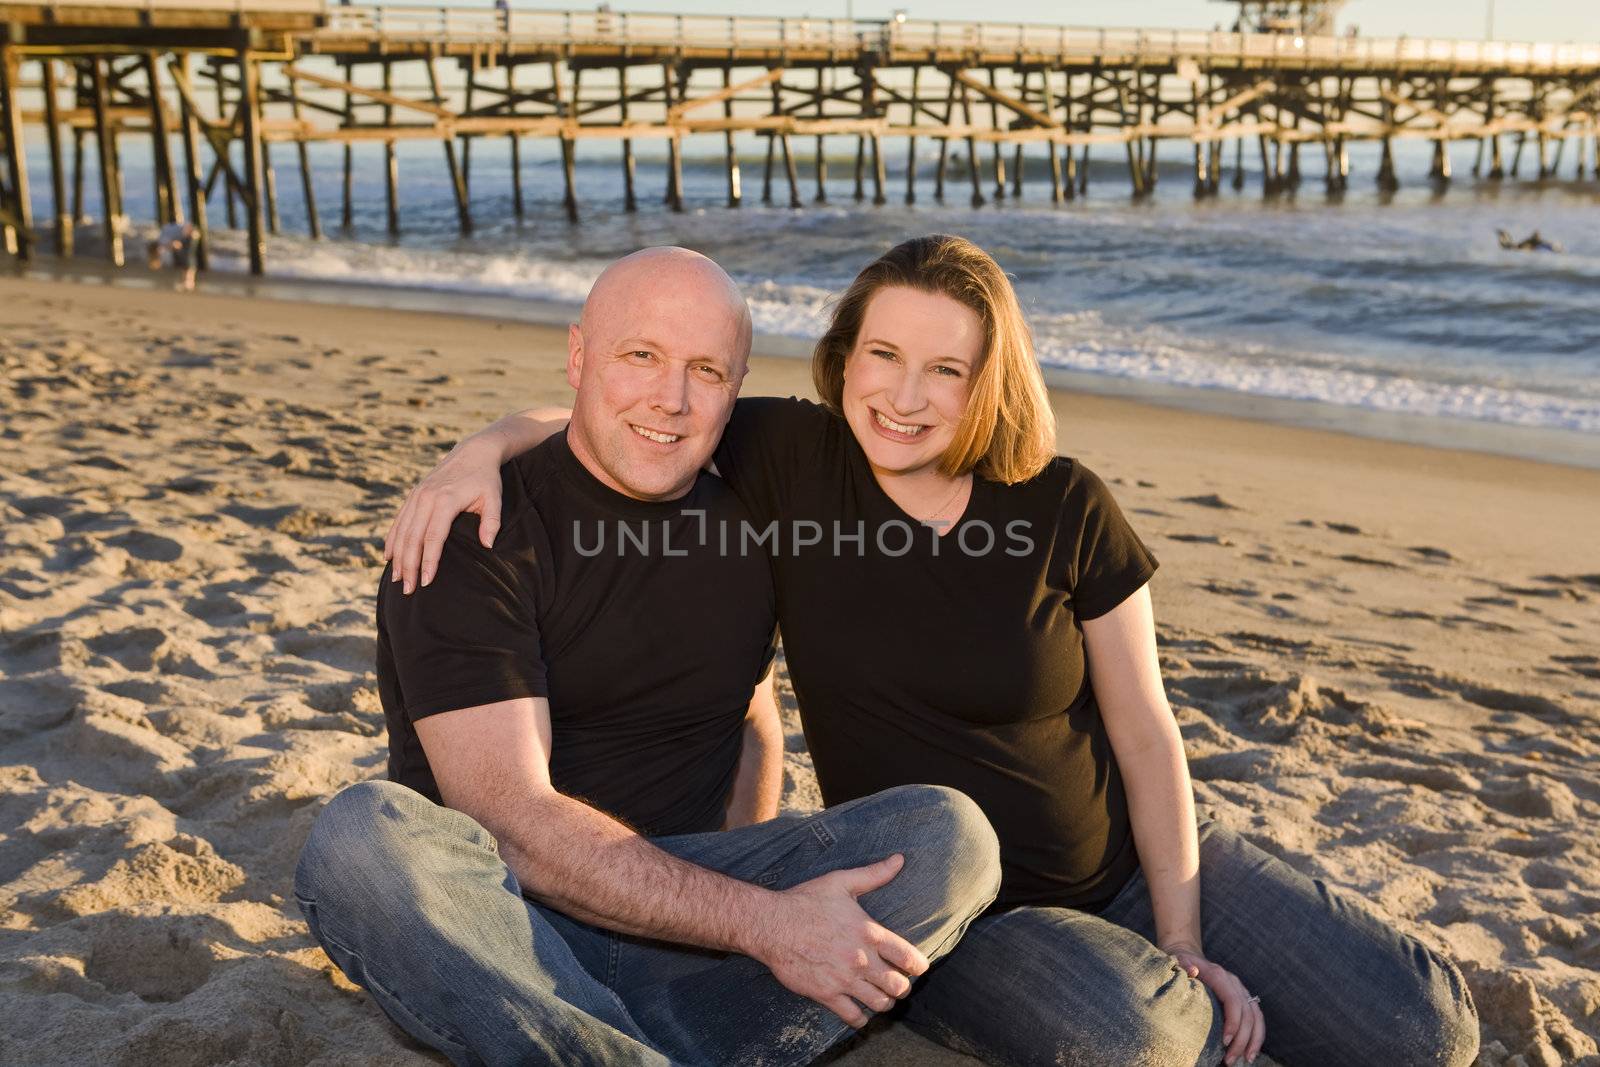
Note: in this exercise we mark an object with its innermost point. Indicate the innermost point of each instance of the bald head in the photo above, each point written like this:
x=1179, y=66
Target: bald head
x=656, y=357
x=666, y=275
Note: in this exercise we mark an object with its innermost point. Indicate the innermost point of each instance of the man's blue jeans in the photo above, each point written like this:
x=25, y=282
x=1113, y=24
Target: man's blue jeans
x=1337, y=985
x=412, y=901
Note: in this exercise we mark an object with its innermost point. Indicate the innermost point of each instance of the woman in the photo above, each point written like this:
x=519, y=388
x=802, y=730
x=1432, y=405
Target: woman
x=961, y=606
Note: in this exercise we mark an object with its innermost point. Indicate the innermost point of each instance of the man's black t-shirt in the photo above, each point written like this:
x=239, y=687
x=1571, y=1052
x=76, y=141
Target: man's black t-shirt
x=646, y=637
x=955, y=661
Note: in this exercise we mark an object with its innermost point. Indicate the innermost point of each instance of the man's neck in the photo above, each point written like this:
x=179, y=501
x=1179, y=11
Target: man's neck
x=578, y=443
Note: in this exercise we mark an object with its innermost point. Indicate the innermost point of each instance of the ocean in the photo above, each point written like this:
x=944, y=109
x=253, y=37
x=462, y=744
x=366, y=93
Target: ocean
x=1393, y=314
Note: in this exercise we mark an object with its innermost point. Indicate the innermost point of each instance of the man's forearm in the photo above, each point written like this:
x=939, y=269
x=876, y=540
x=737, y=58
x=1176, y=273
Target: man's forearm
x=584, y=863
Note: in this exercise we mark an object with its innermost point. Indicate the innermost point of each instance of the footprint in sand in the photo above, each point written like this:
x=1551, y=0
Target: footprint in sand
x=1200, y=539
x=290, y=462
x=1222, y=588
x=1210, y=500
x=1417, y=841
x=1534, y=796
x=262, y=518
x=141, y=544
x=30, y=706
x=1575, y=586
x=1585, y=666
x=214, y=607
x=334, y=697
x=1369, y=561
x=190, y=485
x=1543, y=875
x=102, y=462
x=25, y=652
x=350, y=652
x=1428, y=683
x=1272, y=641
x=134, y=649
x=150, y=648
x=1440, y=779
x=152, y=957
x=1541, y=591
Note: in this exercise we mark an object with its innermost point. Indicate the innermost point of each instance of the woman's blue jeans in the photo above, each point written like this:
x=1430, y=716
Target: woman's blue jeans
x=412, y=901
x=1338, y=986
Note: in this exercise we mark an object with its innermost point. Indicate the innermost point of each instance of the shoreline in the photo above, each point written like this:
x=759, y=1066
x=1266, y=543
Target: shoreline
x=1537, y=444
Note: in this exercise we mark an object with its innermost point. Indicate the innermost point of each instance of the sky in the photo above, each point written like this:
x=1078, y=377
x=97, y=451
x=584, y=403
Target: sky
x=1522, y=20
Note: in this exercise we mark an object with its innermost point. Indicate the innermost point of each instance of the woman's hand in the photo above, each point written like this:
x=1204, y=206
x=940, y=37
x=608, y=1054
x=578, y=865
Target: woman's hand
x=1244, y=1028
x=466, y=480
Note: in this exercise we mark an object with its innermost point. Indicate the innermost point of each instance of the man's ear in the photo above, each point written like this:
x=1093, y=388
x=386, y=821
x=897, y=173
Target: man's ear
x=574, y=355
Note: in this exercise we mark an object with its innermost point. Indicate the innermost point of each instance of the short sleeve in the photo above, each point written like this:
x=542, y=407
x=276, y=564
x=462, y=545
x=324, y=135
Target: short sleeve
x=768, y=443
x=471, y=636
x=1108, y=561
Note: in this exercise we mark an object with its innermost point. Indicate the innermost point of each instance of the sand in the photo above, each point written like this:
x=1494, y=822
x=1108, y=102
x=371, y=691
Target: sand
x=1383, y=657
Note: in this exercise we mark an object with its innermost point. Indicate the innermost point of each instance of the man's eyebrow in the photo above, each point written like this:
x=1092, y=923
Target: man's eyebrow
x=634, y=344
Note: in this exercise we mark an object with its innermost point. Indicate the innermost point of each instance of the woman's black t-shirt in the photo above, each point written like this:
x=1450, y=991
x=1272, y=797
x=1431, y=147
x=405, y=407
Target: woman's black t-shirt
x=954, y=661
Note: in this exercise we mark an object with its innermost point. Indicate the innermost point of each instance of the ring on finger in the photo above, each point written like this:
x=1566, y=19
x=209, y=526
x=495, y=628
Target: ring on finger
x=1254, y=1000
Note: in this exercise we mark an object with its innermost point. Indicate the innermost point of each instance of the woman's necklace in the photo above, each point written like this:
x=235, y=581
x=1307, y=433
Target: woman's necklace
x=961, y=483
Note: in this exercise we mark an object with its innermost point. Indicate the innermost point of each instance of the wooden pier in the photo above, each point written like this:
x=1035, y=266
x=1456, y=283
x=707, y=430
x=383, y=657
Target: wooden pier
x=214, y=86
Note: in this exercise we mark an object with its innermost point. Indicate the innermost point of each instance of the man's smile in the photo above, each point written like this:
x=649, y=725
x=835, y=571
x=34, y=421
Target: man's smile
x=657, y=436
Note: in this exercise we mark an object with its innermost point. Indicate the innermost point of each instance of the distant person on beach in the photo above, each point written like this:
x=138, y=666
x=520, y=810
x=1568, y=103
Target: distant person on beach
x=961, y=606
x=575, y=859
x=175, y=243
x=1534, y=242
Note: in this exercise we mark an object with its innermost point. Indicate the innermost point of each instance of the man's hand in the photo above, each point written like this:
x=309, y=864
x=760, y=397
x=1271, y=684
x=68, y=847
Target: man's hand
x=820, y=944
x=1244, y=1027
x=492, y=762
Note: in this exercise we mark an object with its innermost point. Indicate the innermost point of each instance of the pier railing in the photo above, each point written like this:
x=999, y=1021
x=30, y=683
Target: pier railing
x=167, y=7
x=1033, y=42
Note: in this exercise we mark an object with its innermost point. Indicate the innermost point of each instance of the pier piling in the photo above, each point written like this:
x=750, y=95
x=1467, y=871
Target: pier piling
x=16, y=210
x=250, y=105
x=58, y=172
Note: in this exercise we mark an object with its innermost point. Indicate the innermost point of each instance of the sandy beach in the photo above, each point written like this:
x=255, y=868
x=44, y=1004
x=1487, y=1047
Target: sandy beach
x=1385, y=660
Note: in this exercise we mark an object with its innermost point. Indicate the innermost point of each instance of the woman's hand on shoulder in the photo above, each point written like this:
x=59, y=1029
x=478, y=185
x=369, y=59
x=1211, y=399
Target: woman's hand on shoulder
x=466, y=480
x=1244, y=1027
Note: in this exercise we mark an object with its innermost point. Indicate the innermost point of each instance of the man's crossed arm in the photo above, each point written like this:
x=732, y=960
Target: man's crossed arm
x=492, y=762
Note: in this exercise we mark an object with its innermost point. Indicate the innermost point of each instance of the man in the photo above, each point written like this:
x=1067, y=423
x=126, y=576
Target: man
x=541, y=881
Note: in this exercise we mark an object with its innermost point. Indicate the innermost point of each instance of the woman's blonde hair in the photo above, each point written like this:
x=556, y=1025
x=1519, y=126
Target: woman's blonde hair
x=1008, y=432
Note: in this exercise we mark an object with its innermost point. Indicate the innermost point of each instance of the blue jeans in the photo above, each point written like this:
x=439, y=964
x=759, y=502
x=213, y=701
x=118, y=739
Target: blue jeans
x=1040, y=985
x=412, y=901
